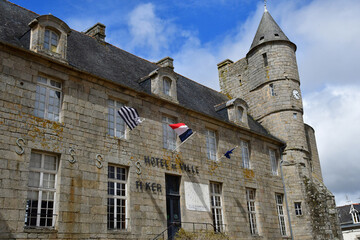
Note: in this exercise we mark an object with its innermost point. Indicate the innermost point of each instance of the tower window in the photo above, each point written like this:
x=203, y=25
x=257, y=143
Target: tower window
x=276, y=35
x=272, y=91
x=265, y=59
x=262, y=38
x=295, y=115
x=298, y=210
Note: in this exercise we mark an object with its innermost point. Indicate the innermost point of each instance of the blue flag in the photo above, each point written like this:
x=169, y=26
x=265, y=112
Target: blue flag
x=227, y=154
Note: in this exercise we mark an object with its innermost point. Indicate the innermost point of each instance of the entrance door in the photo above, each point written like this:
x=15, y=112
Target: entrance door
x=173, y=204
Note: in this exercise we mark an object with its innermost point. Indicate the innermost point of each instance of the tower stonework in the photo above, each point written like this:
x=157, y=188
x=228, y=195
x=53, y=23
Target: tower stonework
x=268, y=80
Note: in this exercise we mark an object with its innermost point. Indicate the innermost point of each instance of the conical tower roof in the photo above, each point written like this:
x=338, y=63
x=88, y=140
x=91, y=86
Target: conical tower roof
x=268, y=30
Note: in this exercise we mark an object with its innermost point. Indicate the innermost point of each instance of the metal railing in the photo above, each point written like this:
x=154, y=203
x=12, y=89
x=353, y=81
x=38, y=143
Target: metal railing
x=193, y=227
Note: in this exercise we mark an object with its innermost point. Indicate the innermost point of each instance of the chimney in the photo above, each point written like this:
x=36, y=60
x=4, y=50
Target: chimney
x=166, y=62
x=97, y=31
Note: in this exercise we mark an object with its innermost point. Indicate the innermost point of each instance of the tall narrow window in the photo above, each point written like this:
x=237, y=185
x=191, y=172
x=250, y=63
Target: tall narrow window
x=274, y=162
x=245, y=154
x=280, y=211
x=47, y=99
x=216, y=206
x=240, y=113
x=250, y=198
x=117, y=197
x=166, y=85
x=271, y=89
x=116, y=125
x=265, y=59
x=169, y=136
x=298, y=210
x=40, y=206
x=211, y=144
x=51, y=40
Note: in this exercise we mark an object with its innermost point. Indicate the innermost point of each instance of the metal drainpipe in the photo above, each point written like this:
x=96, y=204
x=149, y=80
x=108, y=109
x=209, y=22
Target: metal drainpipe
x=286, y=202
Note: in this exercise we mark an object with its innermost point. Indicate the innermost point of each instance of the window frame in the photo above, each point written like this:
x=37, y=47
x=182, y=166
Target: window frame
x=240, y=113
x=123, y=222
x=281, y=213
x=48, y=87
x=167, y=82
x=251, y=207
x=211, y=144
x=298, y=209
x=117, y=119
x=40, y=190
x=49, y=40
x=274, y=162
x=245, y=154
x=216, y=206
x=169, y=135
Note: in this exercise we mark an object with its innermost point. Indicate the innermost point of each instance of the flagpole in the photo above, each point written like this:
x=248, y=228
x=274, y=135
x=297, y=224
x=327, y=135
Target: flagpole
x=183, y=142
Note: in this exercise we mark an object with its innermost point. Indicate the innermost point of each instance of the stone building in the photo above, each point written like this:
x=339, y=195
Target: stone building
x=70, y=168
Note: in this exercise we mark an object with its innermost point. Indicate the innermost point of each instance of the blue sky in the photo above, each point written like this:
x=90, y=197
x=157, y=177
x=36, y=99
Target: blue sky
x=198, y=34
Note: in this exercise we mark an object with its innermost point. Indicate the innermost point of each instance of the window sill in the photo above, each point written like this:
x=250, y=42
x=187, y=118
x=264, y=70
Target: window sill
x=40, y=230
x=117, y=231
x=117, y=138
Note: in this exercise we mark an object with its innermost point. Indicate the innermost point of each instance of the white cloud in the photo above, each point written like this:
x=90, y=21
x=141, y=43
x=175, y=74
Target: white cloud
x=334, y=113
x=149, y=31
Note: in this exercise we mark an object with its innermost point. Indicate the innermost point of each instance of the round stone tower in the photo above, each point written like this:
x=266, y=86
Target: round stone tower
x=268, y=80
x=273, y=80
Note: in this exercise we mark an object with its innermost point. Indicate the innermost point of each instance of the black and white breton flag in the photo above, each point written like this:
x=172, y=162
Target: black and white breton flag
x=130, y=116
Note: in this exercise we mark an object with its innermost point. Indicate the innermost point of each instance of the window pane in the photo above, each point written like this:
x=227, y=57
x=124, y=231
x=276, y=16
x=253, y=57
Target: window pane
x=50, y=162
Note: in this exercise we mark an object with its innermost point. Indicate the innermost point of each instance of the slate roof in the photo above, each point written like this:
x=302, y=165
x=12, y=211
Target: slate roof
x=267, y=31
x=109, y=62
x=344, y=214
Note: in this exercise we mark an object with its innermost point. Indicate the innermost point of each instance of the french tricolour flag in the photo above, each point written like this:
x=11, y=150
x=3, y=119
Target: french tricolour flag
x=182, y=130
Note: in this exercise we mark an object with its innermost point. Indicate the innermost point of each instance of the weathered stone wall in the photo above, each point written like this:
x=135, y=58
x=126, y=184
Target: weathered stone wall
x=314, y=155
x=82, y=187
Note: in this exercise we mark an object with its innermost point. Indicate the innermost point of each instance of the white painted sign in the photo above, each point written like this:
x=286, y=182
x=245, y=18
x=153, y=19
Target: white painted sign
x=197, y=197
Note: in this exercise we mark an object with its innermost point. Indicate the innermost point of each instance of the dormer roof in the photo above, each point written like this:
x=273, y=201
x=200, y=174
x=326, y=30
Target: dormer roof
x=267, y=31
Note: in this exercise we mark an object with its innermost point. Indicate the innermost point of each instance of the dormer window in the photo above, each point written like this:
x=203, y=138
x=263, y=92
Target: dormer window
x=354, y=214
x=51, y=40
x=236, y=111
x=49, y=36
x=166, y=86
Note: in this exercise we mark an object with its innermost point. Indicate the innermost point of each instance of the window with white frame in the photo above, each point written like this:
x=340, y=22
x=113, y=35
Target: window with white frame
x=354, y=214
x=245, y=154
x=169, y=136
x=40, y=202
x=250, y=198
x=47, y=99
x=51, y=40
x=117, y=198
x=216, y=206
x=116, y=125
x=166, y=85
x=298, y=210
x=280, y=211
x=274, y=162
x=211, y=144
